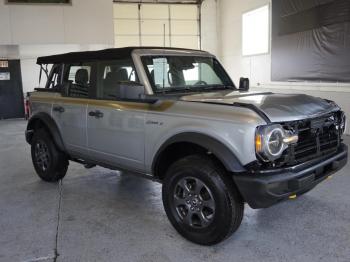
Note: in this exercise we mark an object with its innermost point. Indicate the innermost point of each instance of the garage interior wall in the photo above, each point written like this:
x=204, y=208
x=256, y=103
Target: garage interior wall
x=31, y=30
x=258, y=67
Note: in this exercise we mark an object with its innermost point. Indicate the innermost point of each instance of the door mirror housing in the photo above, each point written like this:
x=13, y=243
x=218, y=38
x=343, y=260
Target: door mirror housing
x=243, y=84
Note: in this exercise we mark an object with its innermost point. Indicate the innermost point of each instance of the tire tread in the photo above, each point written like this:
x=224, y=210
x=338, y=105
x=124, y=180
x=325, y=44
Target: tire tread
x=215, y=169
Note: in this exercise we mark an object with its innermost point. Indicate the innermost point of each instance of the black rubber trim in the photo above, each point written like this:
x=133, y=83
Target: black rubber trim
x=255, y=109
x=44, y=89
x=225, y=155
x=50, y=124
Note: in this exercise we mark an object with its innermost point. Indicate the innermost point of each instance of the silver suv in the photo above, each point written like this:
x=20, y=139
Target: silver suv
x=175, y=116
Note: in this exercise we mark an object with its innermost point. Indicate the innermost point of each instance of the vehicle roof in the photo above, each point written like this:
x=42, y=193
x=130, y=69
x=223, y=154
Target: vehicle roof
x=106, y=54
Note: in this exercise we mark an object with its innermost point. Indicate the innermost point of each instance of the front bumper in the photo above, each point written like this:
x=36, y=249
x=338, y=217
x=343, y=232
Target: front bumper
x=267, y=187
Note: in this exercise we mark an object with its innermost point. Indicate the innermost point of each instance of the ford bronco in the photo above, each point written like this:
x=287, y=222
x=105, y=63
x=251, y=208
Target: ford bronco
x=175, y=116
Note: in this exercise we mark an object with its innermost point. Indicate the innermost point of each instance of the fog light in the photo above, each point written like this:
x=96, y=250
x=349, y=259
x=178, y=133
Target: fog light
x=292, y=196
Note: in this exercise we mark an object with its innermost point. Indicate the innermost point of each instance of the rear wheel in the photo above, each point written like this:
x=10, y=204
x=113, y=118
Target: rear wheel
x=201, y=202
x=49, y=162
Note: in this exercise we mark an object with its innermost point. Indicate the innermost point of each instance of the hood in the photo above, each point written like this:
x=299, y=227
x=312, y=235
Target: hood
x=277, y=107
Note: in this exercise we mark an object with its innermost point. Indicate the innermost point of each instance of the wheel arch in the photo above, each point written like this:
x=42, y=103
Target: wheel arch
x=44, y=120
x=191, y=142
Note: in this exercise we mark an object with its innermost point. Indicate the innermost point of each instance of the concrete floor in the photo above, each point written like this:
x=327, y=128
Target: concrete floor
x=100, y=215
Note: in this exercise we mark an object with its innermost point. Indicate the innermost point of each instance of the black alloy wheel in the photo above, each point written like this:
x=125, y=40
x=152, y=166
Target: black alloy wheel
x=42, y=155
x=201, y=200
x=193, y=202
x=49, y=162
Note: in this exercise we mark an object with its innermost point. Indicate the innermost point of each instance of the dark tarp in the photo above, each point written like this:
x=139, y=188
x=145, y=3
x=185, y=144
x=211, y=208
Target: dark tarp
x=311, y=40
x=88, y=56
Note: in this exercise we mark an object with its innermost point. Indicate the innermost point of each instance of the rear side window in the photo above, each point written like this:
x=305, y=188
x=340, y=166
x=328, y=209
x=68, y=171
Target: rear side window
x=77, y=80
x=74, y=69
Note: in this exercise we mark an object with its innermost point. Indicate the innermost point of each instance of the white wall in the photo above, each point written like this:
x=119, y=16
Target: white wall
x=29, y=31
x=83, y=22
x=210, y=27
x=258, y=68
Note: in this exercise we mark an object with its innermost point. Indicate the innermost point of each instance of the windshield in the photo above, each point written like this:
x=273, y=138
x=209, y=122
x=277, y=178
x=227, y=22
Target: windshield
x=185, y=73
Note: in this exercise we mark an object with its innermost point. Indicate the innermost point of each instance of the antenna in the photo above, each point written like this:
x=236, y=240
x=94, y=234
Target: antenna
x=164, y=35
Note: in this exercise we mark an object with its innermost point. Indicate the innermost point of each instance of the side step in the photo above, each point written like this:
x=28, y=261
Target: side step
x=84, y=163
x=88, y=166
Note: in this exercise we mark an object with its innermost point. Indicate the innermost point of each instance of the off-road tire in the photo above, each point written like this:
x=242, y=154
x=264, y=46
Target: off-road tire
x=43, y=148
x=229, y=205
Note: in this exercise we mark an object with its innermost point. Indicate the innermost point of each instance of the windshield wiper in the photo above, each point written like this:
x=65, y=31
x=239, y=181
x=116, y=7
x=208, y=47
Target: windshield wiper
x=195, y=88
x=174, y=89
x=217, y=87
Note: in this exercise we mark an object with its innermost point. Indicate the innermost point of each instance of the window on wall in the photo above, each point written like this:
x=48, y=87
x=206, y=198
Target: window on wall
x=167, y=25
x=255, y=31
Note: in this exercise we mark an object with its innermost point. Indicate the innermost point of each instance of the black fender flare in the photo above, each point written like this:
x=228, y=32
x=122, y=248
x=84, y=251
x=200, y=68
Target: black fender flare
x=49, y=123
x=221, y=151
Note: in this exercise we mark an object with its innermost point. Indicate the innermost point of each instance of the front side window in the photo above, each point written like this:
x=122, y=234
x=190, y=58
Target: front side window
x=110, y=74
x=180, y=73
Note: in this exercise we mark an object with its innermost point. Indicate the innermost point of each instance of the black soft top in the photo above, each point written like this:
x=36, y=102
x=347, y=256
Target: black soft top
x=88, y=56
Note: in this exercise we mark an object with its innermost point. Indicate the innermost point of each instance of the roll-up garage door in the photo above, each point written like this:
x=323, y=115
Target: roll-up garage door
x=166, y=25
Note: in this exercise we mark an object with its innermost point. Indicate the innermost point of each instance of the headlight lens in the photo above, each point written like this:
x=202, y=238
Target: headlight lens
x=272, y=140
x=342, y=123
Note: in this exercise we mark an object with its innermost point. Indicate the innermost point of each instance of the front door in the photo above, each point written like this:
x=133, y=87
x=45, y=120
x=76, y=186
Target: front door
x=116, y=134
x=11, y=92
x=116, y=129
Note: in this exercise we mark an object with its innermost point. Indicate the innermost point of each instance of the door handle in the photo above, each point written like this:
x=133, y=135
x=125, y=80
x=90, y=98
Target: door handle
x=58, y=109
x=97, y=114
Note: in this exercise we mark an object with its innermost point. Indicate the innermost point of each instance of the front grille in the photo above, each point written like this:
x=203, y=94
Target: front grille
x=317, y=137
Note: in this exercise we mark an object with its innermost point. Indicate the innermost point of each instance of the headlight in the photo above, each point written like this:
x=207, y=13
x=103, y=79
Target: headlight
x=272, y=140
x=342, y=123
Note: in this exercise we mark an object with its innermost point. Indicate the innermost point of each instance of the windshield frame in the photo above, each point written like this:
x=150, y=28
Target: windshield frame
x=190, y=88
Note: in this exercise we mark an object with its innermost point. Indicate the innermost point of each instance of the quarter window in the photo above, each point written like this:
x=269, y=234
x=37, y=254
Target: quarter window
x=54, y=78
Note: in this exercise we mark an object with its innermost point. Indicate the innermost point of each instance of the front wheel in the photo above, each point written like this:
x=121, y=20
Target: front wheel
x=201, y=201
x=50, y=164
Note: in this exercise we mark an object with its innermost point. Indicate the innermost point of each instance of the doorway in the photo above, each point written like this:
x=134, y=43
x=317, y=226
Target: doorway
x=11, y=90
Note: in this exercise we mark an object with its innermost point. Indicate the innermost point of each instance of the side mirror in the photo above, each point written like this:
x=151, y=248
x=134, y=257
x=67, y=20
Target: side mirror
x=131, y=91
x=243, y=84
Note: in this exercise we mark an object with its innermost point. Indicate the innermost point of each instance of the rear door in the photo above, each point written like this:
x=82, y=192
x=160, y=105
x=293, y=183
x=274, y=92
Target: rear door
x=69, y=109
x=116, y=128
